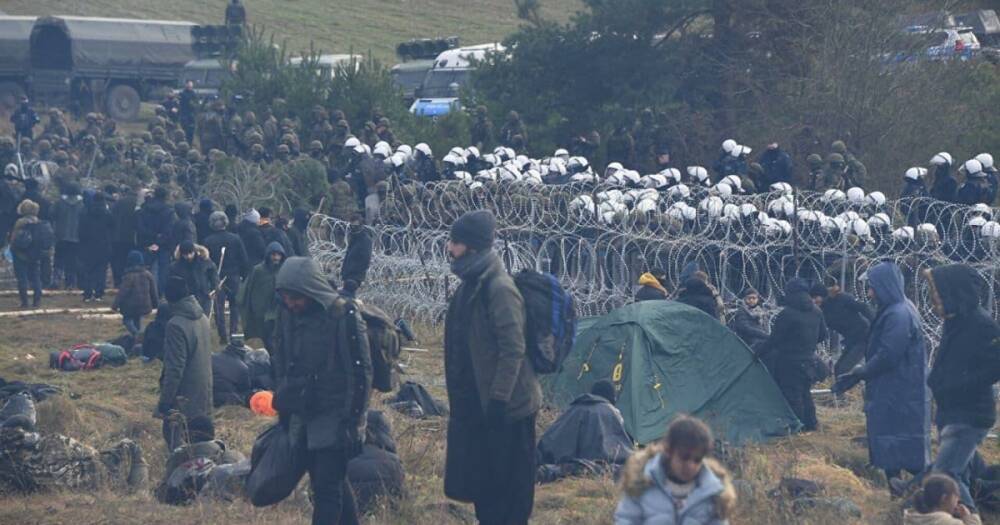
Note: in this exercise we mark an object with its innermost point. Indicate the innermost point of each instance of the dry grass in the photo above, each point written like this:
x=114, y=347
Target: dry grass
x=102, y=406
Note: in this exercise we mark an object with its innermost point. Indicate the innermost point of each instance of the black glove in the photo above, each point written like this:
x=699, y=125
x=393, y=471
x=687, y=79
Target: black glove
x=849, y=380
x=496, y=413
x=289, y=399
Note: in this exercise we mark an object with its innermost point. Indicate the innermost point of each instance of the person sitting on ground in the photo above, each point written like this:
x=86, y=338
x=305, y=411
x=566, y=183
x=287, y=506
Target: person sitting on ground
x=137, y=294
x=377, y=473
x=937, y=503
x=748, y=323
x=232, y=383
x=651, y=286
x=590, y=429
x=199, y=445
x=676, y=481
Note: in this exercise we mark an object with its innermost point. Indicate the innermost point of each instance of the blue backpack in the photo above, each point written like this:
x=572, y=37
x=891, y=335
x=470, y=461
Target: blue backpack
x=551, y=320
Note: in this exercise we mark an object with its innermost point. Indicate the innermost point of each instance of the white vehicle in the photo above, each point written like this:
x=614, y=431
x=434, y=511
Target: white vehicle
x=328, y=63
x=438, y=94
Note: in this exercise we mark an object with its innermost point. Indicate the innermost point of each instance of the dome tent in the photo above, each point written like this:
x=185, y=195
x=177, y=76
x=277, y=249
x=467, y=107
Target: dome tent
x=667, y=358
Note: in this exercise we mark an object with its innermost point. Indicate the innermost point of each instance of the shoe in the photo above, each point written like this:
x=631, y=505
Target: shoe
x=24, y=305
x=86, y=299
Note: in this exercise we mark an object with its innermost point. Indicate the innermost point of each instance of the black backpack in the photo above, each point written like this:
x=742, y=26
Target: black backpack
x=551, y=320
x=23, y=241
x=385, y=344
x=42, y=237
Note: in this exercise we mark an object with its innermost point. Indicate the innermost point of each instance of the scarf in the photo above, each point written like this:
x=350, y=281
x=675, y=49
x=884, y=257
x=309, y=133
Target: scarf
x=470, y=266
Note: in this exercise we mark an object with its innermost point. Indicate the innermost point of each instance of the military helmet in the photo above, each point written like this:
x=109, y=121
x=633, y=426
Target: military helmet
x=193, y=156
x=44, y=145
x=257, y=149
x=316, y=146
x=838, y=146
x=283, y=148
x=814, y=160
x=835, y=158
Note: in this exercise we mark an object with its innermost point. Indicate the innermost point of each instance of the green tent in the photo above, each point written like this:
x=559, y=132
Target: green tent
x=673, y=359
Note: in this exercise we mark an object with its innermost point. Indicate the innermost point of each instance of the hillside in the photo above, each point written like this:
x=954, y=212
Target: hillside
x=335, y=26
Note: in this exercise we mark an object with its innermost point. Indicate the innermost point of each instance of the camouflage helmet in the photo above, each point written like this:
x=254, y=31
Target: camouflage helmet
x=236, y=121
x=25, y=143
x=60, y=157
x=7, y=141
x=250, y=118
x=288, y=138
x=838, y=146
x=814, y=160
x=835, y=158
x=315, y=146
x=178, y=135
x=283, y=148
x=384, y=122
x=158, y=132
x=146, y=137
x=257, y=149
x=216, y=155
x=183, y=146
x=255, y=138
x=342, y=124
x=193, y=156
x=44, y=145
x=91, y=117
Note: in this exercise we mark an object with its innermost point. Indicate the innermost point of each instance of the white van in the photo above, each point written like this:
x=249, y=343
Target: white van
x=438, y=94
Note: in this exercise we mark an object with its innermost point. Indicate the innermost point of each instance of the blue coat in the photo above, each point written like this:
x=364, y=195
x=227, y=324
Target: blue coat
x=897, y=401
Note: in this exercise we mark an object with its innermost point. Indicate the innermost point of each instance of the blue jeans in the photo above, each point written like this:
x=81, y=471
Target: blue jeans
x=133, y=325
x=958, y=445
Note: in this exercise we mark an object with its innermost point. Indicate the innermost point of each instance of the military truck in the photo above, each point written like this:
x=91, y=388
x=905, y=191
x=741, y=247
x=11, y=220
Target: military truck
x=107, y=64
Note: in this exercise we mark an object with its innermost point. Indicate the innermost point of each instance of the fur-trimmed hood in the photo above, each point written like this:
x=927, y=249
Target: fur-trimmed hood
x=644, y=470
x=200, y=252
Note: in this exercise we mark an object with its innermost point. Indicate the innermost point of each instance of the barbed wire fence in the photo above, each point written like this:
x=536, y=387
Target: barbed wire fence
x=598, y=240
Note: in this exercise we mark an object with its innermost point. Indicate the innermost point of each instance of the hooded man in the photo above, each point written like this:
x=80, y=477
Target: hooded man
x=234, y=266
x=258, y=303
x=492, y=390
x=271, y=233
x=205, y=209
x=124, y=213
x=696, y=292
x=97, y=228
x=186, y=380
x=193, y=264
x=297, y=233
x=156, y=219
x=897, y=403
x=651, y=286
x=183, y=228
x=357, y=258
x=590, y=429
x=253, y=239
x=790, y=350
x=231, y=378
x=748, y=323
x=323, y=370
x=847, y=316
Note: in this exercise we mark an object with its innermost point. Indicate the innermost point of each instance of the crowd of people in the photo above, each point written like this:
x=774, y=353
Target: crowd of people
x=66, y=230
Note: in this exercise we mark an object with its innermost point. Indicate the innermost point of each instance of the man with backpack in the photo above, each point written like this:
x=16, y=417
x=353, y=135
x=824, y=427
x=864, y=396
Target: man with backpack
x=30, y=243
x=493, y=393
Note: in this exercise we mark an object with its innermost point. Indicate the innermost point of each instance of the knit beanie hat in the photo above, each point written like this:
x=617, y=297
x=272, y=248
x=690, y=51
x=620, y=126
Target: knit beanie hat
x=476, y=229
x=186, y=247
x=252, y=216
x=218, y=221
x=176, y=289
x=605, y=389
x=134, y=258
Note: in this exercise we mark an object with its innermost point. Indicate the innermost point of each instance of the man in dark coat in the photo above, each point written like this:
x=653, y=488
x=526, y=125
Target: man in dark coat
x=790, y=351
x=183, y=228
x=945, y=186
x=695, y=292
x=123, y=211
x=357, y=258
x=66, y=214
x=234, y=266
x=492, y=390
x=24, y=120
x=33, y=192
x=186, y=380
x=205, y=209
x=194, y=265
x=231, y=380
x=137, y=294
x=156, y=221
x=777, y=166
x=748, y=323
x=97, y=228
x=591, y=429
x=848, y=317
x=897, y=402
x=297, y=233
x=966, y=367
x=257, y=301
x=253, y=239
x=323, y=371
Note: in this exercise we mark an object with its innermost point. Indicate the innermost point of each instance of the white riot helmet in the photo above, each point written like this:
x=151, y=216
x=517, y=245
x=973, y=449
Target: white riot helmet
x=673, y=175
x=612, y=168
x=860, y=228
x=833, y=196
x=679, y=191
x=352, y=142
x=783, y=187
x=991, y=229
x=747, y=209
x=361, y=149
x=986, y=160
x=927, y=228
x=876, y=198
x=976, y=222
x=713, y=205
x=740, y=150
x=856, y=195
x=973, y=168
x=405, y=149
x=631, y=176
x=903, y=234
x=915, y=173
x=454, y=160
x=383, y=149
x=728, y=145
x=397, y=159
x=880, y=220
x=982, y=209
x=561, y=153
x=424, y=148
x=942, y=158
x=655, y=181
x=645, y=206
x=457, y=151
x=723, y=189
x=471, y=152
x=698, y=173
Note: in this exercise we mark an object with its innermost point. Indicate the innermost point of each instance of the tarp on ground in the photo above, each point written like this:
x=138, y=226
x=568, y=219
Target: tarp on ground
x=673, y=359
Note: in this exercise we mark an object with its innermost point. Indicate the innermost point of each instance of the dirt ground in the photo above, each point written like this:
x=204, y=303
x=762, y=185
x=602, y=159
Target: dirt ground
x=102, y=406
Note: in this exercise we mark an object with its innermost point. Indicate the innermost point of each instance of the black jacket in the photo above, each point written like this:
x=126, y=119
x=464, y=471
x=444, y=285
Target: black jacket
x=231, y=381
x=321, y=361
x=201, y=223
x=358, y=256
x=272, y=233
x=253, y=242
x=199, y=274
x=126, y=218
x=236, y=264
x=156, y=221
x=748, y=323
x=777, y=167
x=945, y=186
x=648, y=293
x=697, y=294
x=300, y=244
x=797, y=329
x=97, y=228
x=847, y=316
x=183, y=228
x=967, y=363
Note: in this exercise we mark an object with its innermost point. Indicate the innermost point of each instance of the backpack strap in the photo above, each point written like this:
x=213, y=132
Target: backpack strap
x=92, y=361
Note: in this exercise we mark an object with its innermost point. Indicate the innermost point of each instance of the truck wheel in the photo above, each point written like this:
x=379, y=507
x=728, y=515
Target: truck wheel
x=123, y=103
x=10, y=95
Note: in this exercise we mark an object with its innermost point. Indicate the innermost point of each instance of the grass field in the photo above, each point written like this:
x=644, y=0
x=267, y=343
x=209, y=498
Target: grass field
x=102, y=406
x=335, y=26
